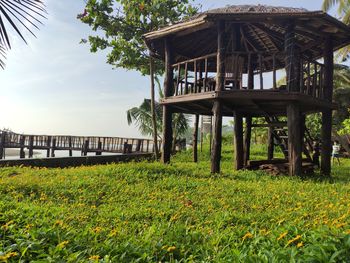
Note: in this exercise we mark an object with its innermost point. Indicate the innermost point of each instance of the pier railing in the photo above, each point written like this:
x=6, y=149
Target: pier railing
x=84, y=144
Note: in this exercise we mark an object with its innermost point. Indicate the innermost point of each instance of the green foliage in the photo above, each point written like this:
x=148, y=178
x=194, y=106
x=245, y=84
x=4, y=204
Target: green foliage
x=345, y=127
x=149, y=212
x=120, y=25
x=142, y=117
x=314, y=124
x=343, y=9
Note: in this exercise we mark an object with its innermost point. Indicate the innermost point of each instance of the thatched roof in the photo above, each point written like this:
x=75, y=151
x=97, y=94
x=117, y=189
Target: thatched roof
x=262, y=29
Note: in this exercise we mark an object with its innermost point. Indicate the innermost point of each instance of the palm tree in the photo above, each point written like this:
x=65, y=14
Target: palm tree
x=18, y=14
x=142, y=117
x=343, y=11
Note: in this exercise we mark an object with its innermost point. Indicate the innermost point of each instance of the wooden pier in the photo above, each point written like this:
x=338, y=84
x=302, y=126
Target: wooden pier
x=89, y=144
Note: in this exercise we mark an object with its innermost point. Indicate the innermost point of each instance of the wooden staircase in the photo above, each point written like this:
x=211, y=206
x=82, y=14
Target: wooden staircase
x=280, y=135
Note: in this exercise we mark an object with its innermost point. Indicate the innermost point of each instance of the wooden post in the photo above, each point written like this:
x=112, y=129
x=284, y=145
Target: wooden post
x=201, y=144
x=326, y=132
x=217, y=106
x=99, y=148
x=21, y=151
x=238, y=141
x=167, y=112
x=270, y=144
x=138, y=145
x=2, y=144
x=294, y=139
x=195, y=139
x=216, y=137
x=248, y=132
x=48, y=144
x=70, y=146
x=292, y=59
x=53, y=147
x=31, y=143
x=85, y=147
x=247, y=140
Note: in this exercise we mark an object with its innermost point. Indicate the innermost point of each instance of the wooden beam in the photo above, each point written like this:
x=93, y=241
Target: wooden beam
x=238, y=141
x=167, y=111
x=270, y=144
x=291, y=59
x=217, y=107
x=247, y=140
x=216, y=137
x=294, y=139
x=195, y=139
x=326, y=132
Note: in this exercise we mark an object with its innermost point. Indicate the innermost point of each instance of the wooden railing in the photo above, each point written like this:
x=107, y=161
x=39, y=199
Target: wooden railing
x=199, y=75
x=313, y=79
x=84, y=144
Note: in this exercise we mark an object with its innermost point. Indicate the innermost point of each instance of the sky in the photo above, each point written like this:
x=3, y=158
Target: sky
x=54, y=85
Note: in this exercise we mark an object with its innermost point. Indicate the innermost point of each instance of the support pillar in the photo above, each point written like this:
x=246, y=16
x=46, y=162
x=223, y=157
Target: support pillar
x=247, y=140
x=167, y=111
x=217, y=106
x=326, y=132
x=195, y=139
x=270, y=144
x=238, y=141
x=248, y=119
x=217, y=138
x=292, y=59
x=294, y=139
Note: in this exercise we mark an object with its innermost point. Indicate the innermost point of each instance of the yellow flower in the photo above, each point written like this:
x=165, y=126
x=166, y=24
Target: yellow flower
x=300, y=244
x=62, y=244
x=94, y=257
x=347, y=232
x=283, y=235
x=59, y=223
x=293, y=240
x=97, y=229
x=248, y=235
x=7, y=225
x=171, y=249
x=113, y=233
x=5, y=257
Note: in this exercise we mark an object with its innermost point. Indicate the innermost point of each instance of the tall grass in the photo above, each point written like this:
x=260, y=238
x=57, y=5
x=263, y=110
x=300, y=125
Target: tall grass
x=149, y=212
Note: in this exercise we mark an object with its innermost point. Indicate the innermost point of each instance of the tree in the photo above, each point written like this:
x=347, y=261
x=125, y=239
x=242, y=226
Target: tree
x=18, y=13
x=121, y=25
x=343, y=11
x=142, y=117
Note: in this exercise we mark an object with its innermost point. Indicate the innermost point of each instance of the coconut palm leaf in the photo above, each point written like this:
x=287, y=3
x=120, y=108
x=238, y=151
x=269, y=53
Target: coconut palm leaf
x=18, y=14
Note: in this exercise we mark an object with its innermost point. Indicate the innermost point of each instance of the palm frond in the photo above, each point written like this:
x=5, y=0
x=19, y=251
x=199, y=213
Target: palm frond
x=18, y=14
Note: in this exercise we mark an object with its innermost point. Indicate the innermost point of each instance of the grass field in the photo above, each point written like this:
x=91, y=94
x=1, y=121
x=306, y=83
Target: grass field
x=148, y=212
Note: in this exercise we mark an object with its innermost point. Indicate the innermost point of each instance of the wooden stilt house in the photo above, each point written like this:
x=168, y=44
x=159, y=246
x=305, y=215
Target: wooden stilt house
x=227, y=62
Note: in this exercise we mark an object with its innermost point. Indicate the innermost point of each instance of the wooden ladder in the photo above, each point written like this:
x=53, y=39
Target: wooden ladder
x=280, y=134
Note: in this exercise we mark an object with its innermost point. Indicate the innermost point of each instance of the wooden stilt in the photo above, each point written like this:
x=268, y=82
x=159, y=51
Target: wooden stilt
x=70, y=146
x=247, y=140
x=238, y=141
x=31, y=141
x=195, y=139
x=294, y=139
x=21, y=151
x=326, y=145
x=48, y=143
x=53, y=147
x=270, y=144
x=167, y=112
x=326, y=132
x=217, y=106
x=2, y=145
x=248, y=131
x=217, y=137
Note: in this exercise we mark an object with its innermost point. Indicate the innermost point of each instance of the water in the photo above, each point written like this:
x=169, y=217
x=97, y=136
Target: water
x=13, y=154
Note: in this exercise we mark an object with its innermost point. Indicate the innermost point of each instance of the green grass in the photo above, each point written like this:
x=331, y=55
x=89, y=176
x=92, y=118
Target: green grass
x=148, y=212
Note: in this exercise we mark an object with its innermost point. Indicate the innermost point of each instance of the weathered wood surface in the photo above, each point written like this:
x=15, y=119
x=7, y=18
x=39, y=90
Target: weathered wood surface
x=53, y=143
